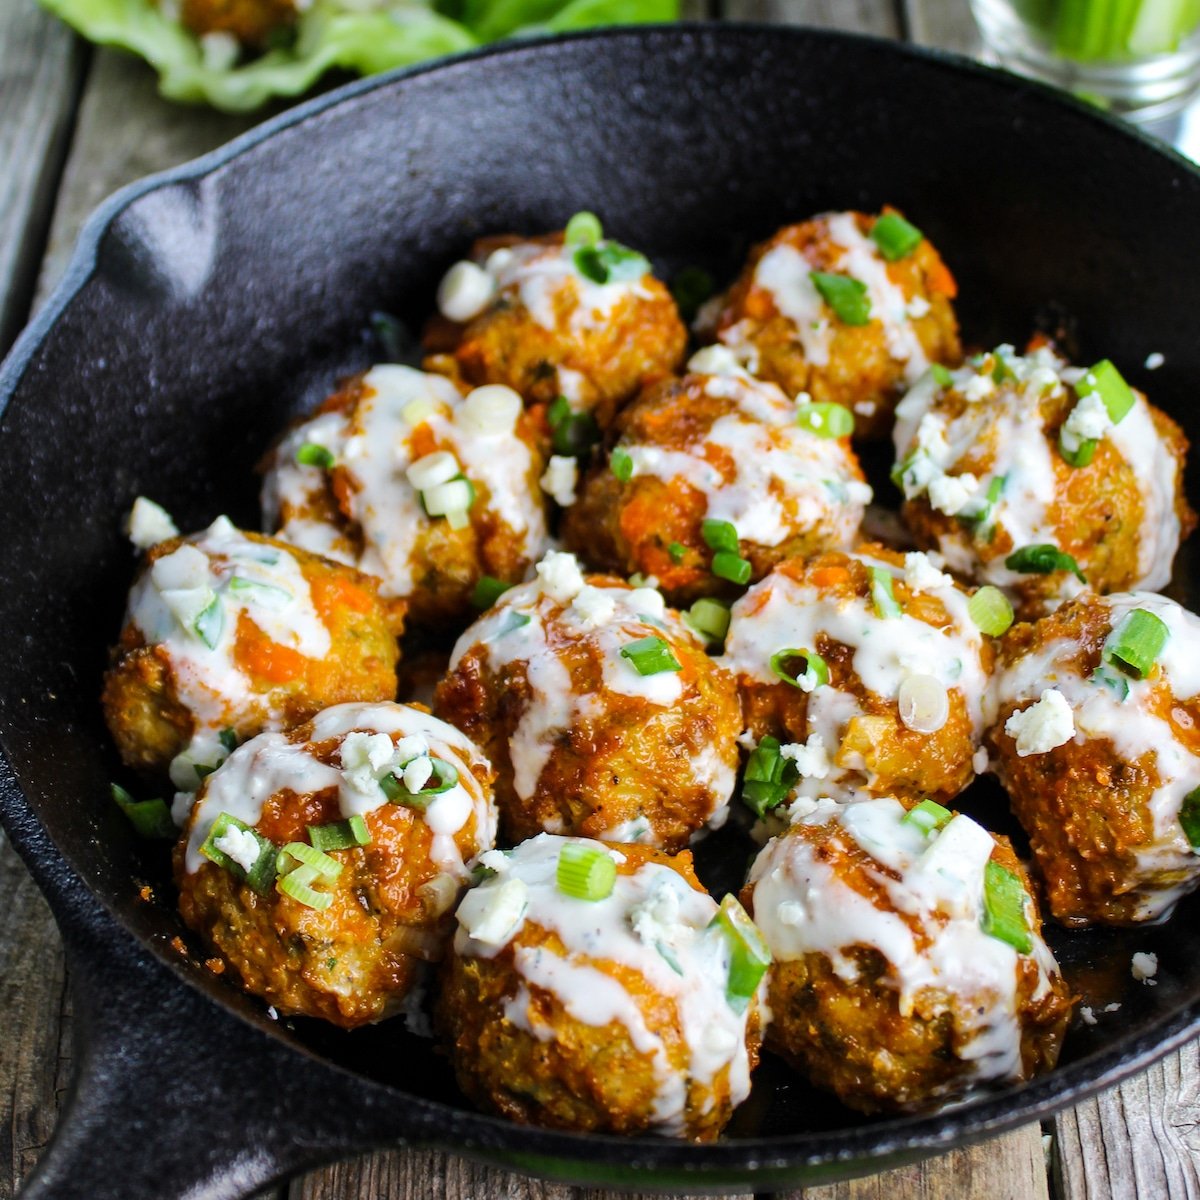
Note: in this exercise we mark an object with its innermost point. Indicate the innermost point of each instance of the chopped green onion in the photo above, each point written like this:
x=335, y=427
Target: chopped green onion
x=983, y=519
x=895, y=237
x=326, y=867
x=719, y=535
x=769, y=777
x=669, y=957
x=610, y=262
x=445, y=776
x=882, y=594
x=621, y=464
x=691, y=287
x=1136, y=643
x=847, y=297
x=1042, y=559
x=826, y=420
x=487, y=591
x=262, y=873
x=677, y=550
x=340, y=835
x=210, y=623
x=815, y=673
x=928, y=816
x=312, y=455
x=267, y=595
x=709, y=618
x=149, y=818
x=1079, y=457
x=650, y=656
x=583, y=229
x=298, y=885
x=990, y=609
x=941, y=375
x=1004, y=901
x=1189, y=818
x=203, y=770
x=394, y=336
x=1105, y=380
x=726, y=565
x=512, y=622
x=1113, y=680
x=571, y=433
x=1002, y=372
x=229, y=739
x=749, y=955
x=392, y=787
x=585, y=872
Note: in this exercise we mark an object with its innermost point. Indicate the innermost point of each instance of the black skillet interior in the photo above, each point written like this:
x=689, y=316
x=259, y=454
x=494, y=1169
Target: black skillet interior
x=234, y=293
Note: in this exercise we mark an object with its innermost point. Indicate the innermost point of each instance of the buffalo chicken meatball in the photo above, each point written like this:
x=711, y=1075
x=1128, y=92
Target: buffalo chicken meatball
x=559, y=316
x=848, y=308
x=323, y=864
x=230, y=633
x=909, y=966
x=869, y=668
x=718, y=453
x=1097, y=739
x=600, y=988
x=1033, y=475
x=405, y=478
x=600, y=710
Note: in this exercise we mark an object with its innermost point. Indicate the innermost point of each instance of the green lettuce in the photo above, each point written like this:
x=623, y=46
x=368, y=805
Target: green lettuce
x=328, y=36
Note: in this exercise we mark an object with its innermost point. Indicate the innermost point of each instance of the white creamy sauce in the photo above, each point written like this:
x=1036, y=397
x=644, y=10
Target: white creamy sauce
x=784, y=272
x=653, y=906
x=373, y=443
x=1132, y=728
x=271, y=763
x=930, y=933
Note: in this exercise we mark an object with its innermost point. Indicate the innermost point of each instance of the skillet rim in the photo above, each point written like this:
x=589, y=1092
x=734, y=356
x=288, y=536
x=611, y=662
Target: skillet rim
x=864, y=1145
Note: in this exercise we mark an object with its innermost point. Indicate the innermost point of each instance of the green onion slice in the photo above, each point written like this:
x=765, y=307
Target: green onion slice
x=677, y=550
x=621, y=464
x=826, y=420
x=1136, y=643
x=444, y=777
x=769, y=777
x=298, y=885
x=571, y=433
x=928, y=816
x=399, y=344
x=393, y=788
x=340, y=835
x=846, y=296
x=990, y=609
x=262, y=874
x=585, y=872
x=709, y=618
x=728, y=565
x=1105, y=380
x=882, y=594
x=150, y=818
x=941, y=375
x=229, y=739
x=749, y=955
x=691, y=287
x=1004, y=901
x=302, y=853
x=1043, y=559
x=650, y=656
x=312, y=455
x=983, y=520
x=610, y=262
x=719, y=535
x=1080, y=457
x=265, y=594
x=895, y=237
x=487, y=591
x=815, y=670
x=512, y=622
x=1113, y=680
x=583, y=229
x=209, y=625
x=1189, y=817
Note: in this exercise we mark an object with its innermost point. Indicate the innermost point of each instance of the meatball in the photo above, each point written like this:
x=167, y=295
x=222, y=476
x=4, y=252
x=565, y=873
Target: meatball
x=716, y=446
x=909, y=964
x=251, y=22
x=230, y=633
x=822, y=309
x=341, y=935
x=599, y=708
x=623, y=1013
x=554, y=317
x=1101, y=755
x=870, y=669
x=1013, y=468
x=403, y=477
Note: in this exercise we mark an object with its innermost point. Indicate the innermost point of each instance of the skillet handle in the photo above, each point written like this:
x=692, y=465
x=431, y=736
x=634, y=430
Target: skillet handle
x=174, y=1096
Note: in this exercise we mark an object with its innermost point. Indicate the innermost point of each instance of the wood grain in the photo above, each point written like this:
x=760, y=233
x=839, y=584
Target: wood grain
x=946, y=24
x=879, y=17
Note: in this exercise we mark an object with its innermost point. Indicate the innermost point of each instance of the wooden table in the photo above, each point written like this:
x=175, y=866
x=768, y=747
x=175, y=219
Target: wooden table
x=75, y=124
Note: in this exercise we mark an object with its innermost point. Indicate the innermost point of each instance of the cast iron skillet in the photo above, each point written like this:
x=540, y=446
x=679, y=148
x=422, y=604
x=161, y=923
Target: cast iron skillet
x=204, y=306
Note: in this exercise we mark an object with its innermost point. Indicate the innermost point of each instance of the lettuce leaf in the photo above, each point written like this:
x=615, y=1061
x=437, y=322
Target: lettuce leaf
x=329, y=35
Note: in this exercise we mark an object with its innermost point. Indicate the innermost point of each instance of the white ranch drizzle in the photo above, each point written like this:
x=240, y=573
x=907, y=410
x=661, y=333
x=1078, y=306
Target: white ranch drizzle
x=784, y=272
x=222, y=566
x=606, y=618
x=372, y=442
x=786, y=480
x=1132, y=728
x=654, y=905
x=802, y=906
x=886, y=651
x=271, y=763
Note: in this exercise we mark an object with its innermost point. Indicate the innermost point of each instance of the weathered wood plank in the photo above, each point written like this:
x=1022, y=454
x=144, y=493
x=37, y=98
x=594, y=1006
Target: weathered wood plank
x=946, y=24
x=879, y=17
x=41, y=68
